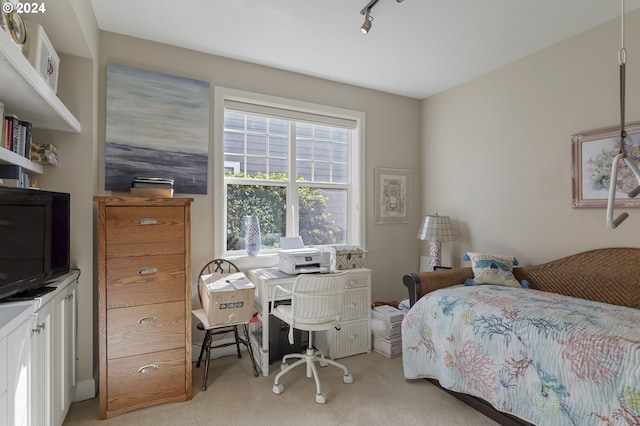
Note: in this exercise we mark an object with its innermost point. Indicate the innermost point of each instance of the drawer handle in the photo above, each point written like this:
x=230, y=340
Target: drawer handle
x=148, y=270
x=147, y=320
x=147, y=221
x=147, y=368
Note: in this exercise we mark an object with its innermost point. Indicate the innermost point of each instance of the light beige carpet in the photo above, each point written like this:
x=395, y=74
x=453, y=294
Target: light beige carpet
x=379, y=395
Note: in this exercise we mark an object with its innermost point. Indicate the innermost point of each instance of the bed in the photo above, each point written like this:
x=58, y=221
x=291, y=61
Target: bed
x=565, y=351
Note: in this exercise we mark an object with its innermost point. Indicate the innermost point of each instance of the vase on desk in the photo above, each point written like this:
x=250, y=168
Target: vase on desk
x=252, y=235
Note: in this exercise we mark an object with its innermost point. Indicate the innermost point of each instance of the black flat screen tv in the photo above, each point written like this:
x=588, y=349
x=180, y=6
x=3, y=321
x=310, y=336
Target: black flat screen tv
x=34, y=239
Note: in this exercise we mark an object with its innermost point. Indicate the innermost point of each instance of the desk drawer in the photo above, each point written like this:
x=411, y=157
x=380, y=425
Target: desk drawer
x=356, y=305
x=271, y=288
x=147, y=279
x=144, y=329
x=358, y=280
x=352, y=338
x=138, y=231
x=129, y=383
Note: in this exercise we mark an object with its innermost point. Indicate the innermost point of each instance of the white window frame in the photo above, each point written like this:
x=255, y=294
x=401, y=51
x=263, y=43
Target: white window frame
x=356, y=217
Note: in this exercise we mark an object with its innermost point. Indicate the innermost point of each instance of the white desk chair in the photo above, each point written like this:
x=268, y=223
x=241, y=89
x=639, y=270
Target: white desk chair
x=223, y=267
x=316, y=304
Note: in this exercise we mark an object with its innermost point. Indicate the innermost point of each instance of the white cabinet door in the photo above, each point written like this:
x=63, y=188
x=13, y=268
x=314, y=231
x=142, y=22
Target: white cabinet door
x=42, y=332
x=64, y=355
x=40, y=360
x=18, y=345
x=4, y=409
x=4, y=395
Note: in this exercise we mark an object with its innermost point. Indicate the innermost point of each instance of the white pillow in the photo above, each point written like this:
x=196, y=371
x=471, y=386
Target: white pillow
x=492, y=269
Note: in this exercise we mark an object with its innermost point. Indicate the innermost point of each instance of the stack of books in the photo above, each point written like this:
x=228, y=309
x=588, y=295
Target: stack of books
x=386, y=330
x=13, y=176
x=152, y=187
x=15, y=134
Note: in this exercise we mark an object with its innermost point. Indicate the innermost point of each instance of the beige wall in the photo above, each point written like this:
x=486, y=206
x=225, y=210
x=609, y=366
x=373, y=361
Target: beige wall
x=497, y=150
x=392, y=140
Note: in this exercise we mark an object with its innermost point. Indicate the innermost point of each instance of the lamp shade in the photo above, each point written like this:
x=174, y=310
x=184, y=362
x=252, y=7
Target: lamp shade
x=436, y=228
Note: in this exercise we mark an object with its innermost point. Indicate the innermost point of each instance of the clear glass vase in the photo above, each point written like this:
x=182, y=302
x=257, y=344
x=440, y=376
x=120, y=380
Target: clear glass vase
x=252, y=236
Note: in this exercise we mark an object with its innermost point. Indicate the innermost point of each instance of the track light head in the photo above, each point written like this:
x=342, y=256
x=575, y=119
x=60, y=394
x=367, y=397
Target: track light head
x=366, y=27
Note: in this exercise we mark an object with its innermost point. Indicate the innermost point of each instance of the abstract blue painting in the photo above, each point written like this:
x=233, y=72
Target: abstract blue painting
x=157, y=126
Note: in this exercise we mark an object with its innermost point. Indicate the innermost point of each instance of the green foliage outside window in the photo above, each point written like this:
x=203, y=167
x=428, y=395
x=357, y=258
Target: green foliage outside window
x=268, y=202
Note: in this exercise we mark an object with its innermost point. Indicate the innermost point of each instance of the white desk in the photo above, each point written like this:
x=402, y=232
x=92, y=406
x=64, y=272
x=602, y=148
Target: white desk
x=354, y=336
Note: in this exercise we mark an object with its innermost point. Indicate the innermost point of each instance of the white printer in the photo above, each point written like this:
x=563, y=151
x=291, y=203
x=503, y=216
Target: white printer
x=303, y=261
x=294, y=258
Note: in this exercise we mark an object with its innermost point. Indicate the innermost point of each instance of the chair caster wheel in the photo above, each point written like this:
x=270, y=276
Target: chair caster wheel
x=283, y=366
x=347, y=378
x=323, y=363
x=278, y=389
x=321, y=398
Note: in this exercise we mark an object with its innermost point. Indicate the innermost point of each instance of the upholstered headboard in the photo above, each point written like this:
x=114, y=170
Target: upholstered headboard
x=610, y=275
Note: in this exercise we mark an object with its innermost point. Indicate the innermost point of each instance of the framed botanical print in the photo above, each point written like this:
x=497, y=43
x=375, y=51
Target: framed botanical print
x=592, y=154
x=392, y=195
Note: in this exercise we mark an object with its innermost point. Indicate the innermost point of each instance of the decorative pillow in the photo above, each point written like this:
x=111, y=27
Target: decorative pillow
x=492, y=269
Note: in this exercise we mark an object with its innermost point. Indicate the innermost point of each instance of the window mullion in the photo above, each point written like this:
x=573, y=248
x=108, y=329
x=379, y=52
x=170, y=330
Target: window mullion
x=292, y=187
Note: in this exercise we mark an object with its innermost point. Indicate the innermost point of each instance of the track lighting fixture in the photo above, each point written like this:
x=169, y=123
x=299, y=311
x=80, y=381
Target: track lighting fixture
x=364, y=29
x=366, y=11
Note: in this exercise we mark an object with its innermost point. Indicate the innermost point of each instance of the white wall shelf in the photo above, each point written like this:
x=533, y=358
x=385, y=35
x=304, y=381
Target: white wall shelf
x=9, y=157
x=25, y=93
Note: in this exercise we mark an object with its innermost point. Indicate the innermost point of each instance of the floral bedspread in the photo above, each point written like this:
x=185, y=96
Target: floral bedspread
x=545, y=358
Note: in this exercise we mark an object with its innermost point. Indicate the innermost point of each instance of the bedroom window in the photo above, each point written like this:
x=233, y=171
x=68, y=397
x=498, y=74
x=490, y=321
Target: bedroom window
x=297, y=166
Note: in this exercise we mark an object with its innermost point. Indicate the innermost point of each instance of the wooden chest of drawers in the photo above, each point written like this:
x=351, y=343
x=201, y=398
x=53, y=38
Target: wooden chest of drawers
x=144, y=297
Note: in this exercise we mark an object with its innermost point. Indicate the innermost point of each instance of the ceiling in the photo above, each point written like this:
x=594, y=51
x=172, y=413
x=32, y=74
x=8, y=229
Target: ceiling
x=415, y=48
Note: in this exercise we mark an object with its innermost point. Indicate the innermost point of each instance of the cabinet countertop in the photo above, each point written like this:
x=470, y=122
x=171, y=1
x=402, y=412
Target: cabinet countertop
x=14, y=313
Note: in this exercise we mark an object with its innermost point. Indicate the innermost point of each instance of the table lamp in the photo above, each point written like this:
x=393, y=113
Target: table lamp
x=436, y=229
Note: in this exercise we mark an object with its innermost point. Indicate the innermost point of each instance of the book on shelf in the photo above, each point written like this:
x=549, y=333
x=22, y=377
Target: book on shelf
x=10, y=171
x=13, y=175
x=17, y=135
x=13, y=183
x=2, y=127
x=6, y=133
x=25, y=139
x=13, y=132
x=22, y=137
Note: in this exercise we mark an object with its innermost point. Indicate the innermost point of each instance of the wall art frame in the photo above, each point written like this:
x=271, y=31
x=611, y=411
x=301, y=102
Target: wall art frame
x=392, y=195
x=591, y=155
x=157, y=125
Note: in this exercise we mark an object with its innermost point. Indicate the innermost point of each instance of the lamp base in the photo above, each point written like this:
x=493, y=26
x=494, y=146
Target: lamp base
x=434, y=254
